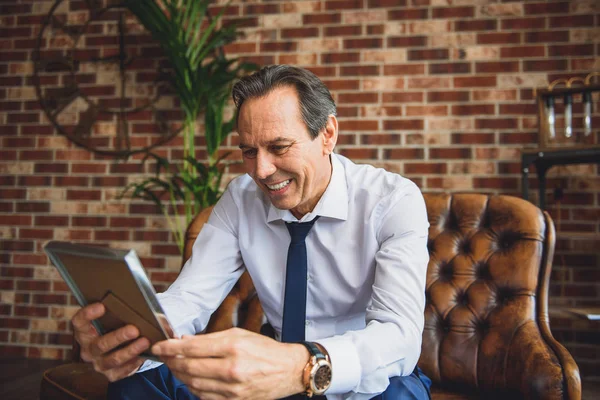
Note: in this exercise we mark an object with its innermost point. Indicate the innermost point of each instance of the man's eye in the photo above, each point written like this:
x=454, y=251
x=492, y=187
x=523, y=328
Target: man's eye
x=280, y=149
x=249, y=153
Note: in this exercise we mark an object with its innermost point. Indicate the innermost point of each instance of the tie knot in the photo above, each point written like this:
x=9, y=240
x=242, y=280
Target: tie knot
x=299, y=230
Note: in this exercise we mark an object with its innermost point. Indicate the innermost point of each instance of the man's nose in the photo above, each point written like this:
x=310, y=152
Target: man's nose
x=264, y=165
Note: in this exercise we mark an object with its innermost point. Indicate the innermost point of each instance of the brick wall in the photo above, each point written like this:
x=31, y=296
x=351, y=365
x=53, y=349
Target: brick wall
x=440, y=91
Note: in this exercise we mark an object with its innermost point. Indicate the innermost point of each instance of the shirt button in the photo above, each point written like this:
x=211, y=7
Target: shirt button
x=307, y=322
x=308, y=277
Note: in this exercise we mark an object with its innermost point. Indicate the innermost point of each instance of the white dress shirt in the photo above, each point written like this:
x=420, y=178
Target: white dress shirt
x=367, y=261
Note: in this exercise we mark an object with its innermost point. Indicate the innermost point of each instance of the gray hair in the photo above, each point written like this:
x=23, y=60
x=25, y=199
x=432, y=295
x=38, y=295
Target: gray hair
x=316, y=103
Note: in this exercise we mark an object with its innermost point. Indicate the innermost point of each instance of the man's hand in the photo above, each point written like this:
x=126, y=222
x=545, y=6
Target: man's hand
x=100, y=350
x=235, y=364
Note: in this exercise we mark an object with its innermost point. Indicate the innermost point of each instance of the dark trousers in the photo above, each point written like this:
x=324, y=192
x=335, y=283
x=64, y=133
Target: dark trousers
x=160, y=384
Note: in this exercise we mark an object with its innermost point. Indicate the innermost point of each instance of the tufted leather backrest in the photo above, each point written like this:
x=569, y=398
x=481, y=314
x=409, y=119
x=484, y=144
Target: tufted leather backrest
x=486, y=319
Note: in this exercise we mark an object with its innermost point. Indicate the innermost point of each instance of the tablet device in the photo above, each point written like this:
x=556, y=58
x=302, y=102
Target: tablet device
x=117, y=279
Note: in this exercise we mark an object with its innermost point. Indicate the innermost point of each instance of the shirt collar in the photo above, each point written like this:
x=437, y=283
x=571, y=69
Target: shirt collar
x=333, y=203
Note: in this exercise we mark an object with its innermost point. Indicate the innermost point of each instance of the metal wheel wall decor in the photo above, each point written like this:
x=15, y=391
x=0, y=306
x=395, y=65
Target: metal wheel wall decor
x=99, y=79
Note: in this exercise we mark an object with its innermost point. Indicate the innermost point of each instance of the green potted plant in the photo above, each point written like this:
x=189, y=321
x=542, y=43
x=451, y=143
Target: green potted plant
x=201, y=76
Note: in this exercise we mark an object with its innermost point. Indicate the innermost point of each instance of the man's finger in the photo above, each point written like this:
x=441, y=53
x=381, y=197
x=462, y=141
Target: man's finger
x=200, y=346
x=123, y=356
x=111, y=340
x=83, y=318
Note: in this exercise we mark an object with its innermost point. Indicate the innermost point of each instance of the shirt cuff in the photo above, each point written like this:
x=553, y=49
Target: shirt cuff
x=345, y=364
x=148, y=364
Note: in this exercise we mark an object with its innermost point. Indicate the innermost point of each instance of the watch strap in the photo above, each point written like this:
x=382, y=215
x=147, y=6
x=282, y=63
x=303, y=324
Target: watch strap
x=314, y=350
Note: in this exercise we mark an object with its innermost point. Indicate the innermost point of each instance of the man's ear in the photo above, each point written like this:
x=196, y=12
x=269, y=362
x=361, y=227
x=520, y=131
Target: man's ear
x=330, y=134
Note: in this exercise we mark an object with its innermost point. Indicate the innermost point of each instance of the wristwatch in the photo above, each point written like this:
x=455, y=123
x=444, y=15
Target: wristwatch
x=317, y=373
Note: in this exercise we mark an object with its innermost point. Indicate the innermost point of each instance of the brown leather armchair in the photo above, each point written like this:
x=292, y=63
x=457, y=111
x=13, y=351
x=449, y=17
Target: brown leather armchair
x=487, y=331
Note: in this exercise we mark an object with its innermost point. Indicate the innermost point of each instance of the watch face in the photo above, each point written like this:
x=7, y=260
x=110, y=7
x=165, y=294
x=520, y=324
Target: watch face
x=323, y=377
x=100, y=79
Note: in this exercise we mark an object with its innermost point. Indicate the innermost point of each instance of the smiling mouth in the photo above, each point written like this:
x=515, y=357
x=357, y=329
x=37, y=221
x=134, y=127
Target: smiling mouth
x=279, y=186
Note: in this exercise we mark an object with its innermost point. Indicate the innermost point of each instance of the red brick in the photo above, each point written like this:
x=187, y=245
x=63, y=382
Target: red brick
x=111, y=235
x=453, y=12
x=33, y=207
x=475, y=25
x=375, y=29
x=13, y=194
x=454, y=96
x=552, y=36
x=51, y=168
x=472, y=138
x=386, y=3
x=359, y=70
x=35, y=155
x=30, y=311
x=518, y=109
x=407, y=41
x=109, y=181
x=16, y=272
x=450, y=68
x=15, y=245
x=380, y=139
x=522, y=51
x=343, y=4
x=425, y=168
x=450, y=153
x=6, y=207
x=271, y=47
x=71, y=181
x=6, y=180
x=261, y=9
x=89, y=221
x=299, y=32
x=363, y=97
x=12, y=323
x=401, y=125
x=496, y=123
x=427, y=110
x=151, y=236
x=476, y=81
x=571, y=21
x=545, y=65
x=496, y=67
x=473, y=109
x=308, y=19
x=165, y=249
x=18, y=142
x=323, y=72
x=499, y=38
x=406, y=14
x=404, y=69
x=36, y=233
x=403, y=97
x=571, y=50
x=35, y=180
x=519, y=138
x=524, y=23
x=342, y=84
x=9, y=155
x=547, y=8
x=366, y=43
x=88, y=168
x=339, y=58
x=16, y=220
x=429, y=54
x=89, y=195
x=403, y=154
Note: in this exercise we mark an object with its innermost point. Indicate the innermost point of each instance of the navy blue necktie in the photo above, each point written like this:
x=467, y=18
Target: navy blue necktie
x=294, y=305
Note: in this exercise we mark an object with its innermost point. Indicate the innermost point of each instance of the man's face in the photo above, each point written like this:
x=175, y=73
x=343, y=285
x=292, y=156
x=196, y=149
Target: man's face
x=279, y=154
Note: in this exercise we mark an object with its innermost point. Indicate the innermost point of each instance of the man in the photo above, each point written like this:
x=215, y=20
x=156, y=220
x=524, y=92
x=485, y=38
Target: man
x=359, y=301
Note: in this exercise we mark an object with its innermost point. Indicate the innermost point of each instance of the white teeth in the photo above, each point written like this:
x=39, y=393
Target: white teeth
x=279, y=186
